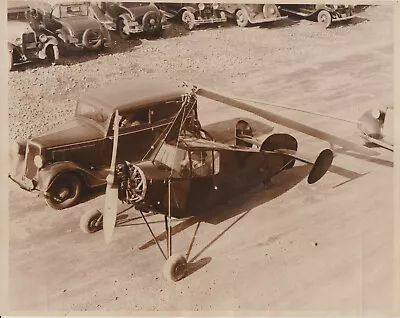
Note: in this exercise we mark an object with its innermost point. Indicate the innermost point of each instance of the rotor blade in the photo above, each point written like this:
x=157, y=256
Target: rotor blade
x=289, y=123
x=111, y=202
x=295, y=109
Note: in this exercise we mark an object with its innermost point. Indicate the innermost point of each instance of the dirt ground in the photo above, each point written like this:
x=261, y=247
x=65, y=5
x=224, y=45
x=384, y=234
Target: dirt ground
x=289, y=248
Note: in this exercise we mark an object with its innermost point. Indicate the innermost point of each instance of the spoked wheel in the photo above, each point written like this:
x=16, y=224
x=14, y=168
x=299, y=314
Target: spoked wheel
x=64, y=192
x=241, y=19
x=175, y=268
x=188, y=20
x=123, y=29
x=93, y=39
x=91, y=221
x=324, y=18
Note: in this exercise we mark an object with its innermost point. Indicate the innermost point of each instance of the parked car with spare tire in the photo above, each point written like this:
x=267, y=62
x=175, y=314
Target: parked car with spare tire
x=194, y=14
x=72, y=25
x=246, y=14
x=25, y=41
x=129, y=18
x=325, y=14
x=77, y=153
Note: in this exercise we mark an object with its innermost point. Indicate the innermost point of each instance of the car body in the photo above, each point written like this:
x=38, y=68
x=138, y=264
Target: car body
x=325, y=14
x=78, y=152
x=194, y=14
x=252, y=13
x=377, y=127
x=72, y=24
x=129, y=18
x=25, y=41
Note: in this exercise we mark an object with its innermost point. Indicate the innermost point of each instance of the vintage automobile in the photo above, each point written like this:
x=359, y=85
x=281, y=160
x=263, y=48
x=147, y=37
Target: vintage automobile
x=194, y=14
x=77, y=153
x=252, y=13
x=129, y=18
x=25, y=42
x=72, y=25
x=376, y=126
x=325, y=14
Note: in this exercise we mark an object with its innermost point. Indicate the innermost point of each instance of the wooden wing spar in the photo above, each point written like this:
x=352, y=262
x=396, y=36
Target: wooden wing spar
x=289, y=123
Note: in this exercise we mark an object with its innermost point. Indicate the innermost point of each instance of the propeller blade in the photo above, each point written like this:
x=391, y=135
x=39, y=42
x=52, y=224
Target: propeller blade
x=289, y=123
x=111, y=202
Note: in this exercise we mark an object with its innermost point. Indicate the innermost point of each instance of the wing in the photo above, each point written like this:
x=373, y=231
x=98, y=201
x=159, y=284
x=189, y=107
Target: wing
x=226, y=99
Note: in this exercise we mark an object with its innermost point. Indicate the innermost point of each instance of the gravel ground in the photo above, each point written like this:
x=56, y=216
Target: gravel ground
x=43, y=97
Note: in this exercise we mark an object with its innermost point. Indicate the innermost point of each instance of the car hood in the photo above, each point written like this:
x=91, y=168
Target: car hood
x=74, y=131
x=80, y=24
x=16, y=29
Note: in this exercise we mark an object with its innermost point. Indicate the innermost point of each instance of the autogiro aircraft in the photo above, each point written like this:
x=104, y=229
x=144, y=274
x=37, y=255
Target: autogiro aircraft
x=186, y=172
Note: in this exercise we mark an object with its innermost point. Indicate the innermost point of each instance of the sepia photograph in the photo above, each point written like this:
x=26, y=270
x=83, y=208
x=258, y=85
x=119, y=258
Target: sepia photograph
x=200, y=158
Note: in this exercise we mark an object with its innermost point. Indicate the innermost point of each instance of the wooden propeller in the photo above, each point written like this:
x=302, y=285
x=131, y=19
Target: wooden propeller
x=111, y=203
x=289, y=123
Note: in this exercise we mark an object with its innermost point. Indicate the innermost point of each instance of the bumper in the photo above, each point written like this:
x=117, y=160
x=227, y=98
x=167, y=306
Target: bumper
x=25, y=184
x=273, y=19
x=210, y=20
x=343, y=18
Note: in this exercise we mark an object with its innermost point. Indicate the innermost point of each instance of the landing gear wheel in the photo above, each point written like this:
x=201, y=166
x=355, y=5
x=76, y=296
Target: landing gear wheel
x=64, y=192
x=120, y=28
x=188, y=20
x=241, y=18
x=91, y=221
x=175, y=268
x=324, y=18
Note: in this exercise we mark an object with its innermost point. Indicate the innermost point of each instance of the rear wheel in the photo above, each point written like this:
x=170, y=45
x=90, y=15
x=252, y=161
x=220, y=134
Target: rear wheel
x=152, y=23
x=324, y=18
x=92, y=39
x=188, y=20
x=64, y=192
x=241, y=18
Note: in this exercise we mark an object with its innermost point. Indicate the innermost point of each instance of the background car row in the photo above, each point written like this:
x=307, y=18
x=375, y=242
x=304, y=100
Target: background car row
x=38, y=29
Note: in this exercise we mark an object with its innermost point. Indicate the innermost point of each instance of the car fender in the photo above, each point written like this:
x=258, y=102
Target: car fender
x=188, y=8
x=48, y=174
x=245, y=9
x=125, y=16
x=62, y=34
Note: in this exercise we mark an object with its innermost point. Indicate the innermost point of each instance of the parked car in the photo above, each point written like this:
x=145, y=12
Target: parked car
x=252, y=13
x=194, y=14
x=325, y=14
x=72, y=25
x=25, y=42
x=129, y=18
x=77, y=153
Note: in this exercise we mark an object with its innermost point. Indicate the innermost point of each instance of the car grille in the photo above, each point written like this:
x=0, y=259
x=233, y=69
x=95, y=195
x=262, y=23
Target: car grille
x=31, y=151
x=29, y=37
x=208, y=12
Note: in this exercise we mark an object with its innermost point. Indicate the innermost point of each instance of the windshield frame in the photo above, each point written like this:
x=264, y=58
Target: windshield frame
x=104, y=128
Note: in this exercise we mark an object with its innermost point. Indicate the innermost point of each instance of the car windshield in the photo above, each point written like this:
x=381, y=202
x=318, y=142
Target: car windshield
x=14, y=15
x=94, y=114
x=72, y=10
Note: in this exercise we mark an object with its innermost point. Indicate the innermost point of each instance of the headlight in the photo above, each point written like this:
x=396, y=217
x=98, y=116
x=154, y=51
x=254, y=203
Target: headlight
x=215, y=6
x=38, y=161
x=201, y=6
x=43, y=38
x=335, y=6
x=18, y=41
x=376, y=113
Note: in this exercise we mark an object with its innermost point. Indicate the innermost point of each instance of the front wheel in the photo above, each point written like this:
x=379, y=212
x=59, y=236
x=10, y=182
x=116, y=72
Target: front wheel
x=175, y=268
x=64, y=192
x=52, y=53
x=122, y=29
x=241, y=18
x=188, y=20
x=324, y=18
x=91, y=221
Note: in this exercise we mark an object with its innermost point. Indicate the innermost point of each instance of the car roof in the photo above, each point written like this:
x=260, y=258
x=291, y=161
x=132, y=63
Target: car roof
x=129, y=94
